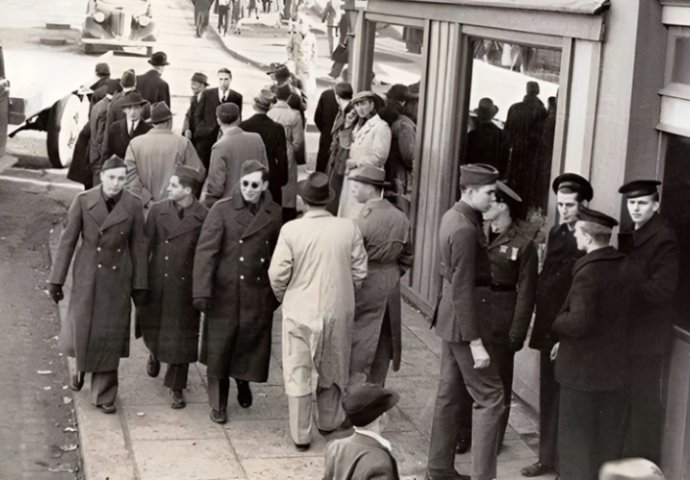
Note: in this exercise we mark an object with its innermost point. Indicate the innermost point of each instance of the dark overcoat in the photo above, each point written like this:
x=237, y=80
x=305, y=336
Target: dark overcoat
x=205, y=122
x=273, y=135
x=359, y=457
x=153, y=88
x=231, y=268
x=488, y=144
x=553, y=285
x=327, y=109
x=80, y=168
x=119, y=138
x=169, y=323
x=110, y=262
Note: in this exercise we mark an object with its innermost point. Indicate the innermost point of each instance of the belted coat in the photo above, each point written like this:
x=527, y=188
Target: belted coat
x=110, y=262
x=168, y=322
x=231, y=268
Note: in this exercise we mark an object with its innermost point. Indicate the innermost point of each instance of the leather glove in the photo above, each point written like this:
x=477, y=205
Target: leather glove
x=515, y=344
x=140, y=297
x=202, y=304
x=479, y=354
x=55, y=292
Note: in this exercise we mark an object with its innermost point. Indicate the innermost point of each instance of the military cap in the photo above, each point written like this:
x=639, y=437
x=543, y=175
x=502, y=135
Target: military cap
x=113, y=162
x=343, y=90
x=367, y=402
x=251, y=166
x=192, y=175
x=370, y=175
x=575, y=182
x=102, y=69
x=200, y=77
x=505, y=193
x=630, y=469
x=477, y=174
x=639, y=188
x=227, y=112
x=588, y=215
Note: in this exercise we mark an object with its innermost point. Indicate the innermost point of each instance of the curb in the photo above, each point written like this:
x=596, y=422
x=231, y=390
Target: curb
x=235, y=53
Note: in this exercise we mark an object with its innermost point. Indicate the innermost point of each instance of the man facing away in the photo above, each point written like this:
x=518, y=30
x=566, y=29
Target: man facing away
x=109, y=272
x=591, y=356
x=376, y=338
x=317, y=264
x=168, y=321
x=198, y=84
x=229, y=154
x=654, y=253
x=231, y=287
x=466, y=333
x=151, y=84
x=365, y=454
x=572, y=191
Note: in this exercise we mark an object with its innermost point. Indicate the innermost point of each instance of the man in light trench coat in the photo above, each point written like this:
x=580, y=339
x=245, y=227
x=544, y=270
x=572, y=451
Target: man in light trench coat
x=168, y=321
x=376, y=338
x=109, y=272
x=317, y=264
x=231, y=286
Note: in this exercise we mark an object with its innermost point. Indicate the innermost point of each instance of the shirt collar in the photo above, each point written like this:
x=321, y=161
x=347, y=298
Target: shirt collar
x=221, y=94
x=368, y=433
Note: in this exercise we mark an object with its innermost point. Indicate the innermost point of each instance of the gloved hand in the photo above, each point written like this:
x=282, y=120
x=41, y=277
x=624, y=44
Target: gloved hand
x=479, y=354
x=202, y=304
x=515, y=344
x=140, y=297
x=55, y=292
x=554, y=352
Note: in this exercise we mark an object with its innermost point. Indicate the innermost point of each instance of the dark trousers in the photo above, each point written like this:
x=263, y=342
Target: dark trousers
x=548, y=410
x=218, y=390
x=223, y=19
x=289, y=214
x=503, y=357
x=103, y=387
x=591, y=429
x=336, y=70
x=383, y=355
x=647, y=400
x=484, y=385
x=336, y=183
x=176, y=376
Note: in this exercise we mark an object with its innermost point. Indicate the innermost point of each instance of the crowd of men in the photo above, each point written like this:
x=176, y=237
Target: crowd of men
x=153, y=228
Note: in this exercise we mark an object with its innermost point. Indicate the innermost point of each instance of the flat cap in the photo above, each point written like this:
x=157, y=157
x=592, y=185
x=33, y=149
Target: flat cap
x=477, y=174
x=251, y=166
x=506, y=194
x=192, y=175
x=630, y=469
x=588, y=215
x=364, y=95
x=368, y=401
x=639, y=188
x=575, y=182
x=200, y=77
x=227, y=112
x=102, y=69
x=113, y=162
x=370, y=175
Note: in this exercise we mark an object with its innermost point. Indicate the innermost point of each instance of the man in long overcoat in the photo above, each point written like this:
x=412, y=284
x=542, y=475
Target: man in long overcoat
x=653, y=249
x=339, y=151
x=231, y=286
x=199, y=83
x=151, y=84
x=109, y=271
x=316, y=266
x=229, y=154
x=592, y=354
x=121, y=132
x=376, y=338
x=168, y=321
x=273, y=136
x=327, y=109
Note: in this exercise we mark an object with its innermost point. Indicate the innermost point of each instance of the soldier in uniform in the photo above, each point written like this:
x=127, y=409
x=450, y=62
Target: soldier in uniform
x=510, y=300
x=168, y=321
x=376, y=336
x=654, y=252
x=591, y=356
x=552, y=288
x=466, y=333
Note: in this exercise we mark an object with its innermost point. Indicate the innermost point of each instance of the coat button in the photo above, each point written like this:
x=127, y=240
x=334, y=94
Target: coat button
x=100, y=266
x=98, y=249
x=114, y=267
x=182, y=278
x=241, y=259
x=165, y=274
x=167, y=242
x=240, y=241
x=119, y=250
x=258, y=278
x=166, y=257
x=262, y=260
x=241, y=277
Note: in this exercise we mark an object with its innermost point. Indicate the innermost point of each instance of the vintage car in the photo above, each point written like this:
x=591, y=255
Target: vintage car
x=110, y=24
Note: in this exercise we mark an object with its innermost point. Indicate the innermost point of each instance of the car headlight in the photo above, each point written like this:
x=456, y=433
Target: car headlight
x=144, y=20
x=99, y=17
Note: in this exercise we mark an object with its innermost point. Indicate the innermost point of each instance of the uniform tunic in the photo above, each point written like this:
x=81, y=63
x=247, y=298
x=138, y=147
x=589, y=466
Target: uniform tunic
x=169, y=322
x=230, y=268
x=110, y=262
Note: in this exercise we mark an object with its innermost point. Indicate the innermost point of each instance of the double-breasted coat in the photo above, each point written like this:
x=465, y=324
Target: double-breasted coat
x=168, y=322
x=231, y=269
x=110, y=263
x=153, y=88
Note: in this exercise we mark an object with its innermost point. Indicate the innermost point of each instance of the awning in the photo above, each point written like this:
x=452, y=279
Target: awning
x=581, y=7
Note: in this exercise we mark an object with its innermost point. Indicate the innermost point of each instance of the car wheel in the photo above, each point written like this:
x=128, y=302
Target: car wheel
x=65, y=120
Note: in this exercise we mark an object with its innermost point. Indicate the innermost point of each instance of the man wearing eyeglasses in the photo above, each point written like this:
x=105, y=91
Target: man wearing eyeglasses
x=232, y=288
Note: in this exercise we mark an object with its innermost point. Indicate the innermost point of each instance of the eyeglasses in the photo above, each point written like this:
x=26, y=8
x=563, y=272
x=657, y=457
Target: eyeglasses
x=254, y=185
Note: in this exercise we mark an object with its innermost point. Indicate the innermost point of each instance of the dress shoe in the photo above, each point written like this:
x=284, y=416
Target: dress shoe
x=178, y=400
x=219, y=416
x=153, y=367
x=302, y=447
x=535, y=470
x=77, y=381
x=244, y=394
x=107, y=408
x=455, y=476
x=463, y=444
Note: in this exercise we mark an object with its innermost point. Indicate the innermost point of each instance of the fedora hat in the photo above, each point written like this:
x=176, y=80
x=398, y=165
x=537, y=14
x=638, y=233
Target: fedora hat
x=132, y=99
x=398, y=92
x=367, y=402
x=200, y=77
x=370, y=175
x=159, y=59
x=160, y=113
x=486, y=108
x=315, y=189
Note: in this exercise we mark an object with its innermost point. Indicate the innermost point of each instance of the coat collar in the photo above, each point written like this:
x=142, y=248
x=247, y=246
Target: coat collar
x=95, y=203
x=254, y=223
x=602, y=254
x=648, y=230
x=231, y=131
x=506, y=237
x=317, y=214
x=372, y=123
x=159, y=131
x=174, y=227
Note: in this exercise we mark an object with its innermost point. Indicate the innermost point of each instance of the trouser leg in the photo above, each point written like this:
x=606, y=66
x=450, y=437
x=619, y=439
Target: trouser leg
x=548, y=411
x=504, y=358
x=298, y=367
x=336, y=69
x=465, y=403
x=329, y=408
x=331, y=35
x=383, y=355
x=176, y=376
x=104, y=387
x=299, y=413
x=218, y=390
x=336, y=183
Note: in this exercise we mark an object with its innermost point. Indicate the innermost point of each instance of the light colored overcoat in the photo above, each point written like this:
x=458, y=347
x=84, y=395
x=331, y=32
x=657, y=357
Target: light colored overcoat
x=294, y=135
